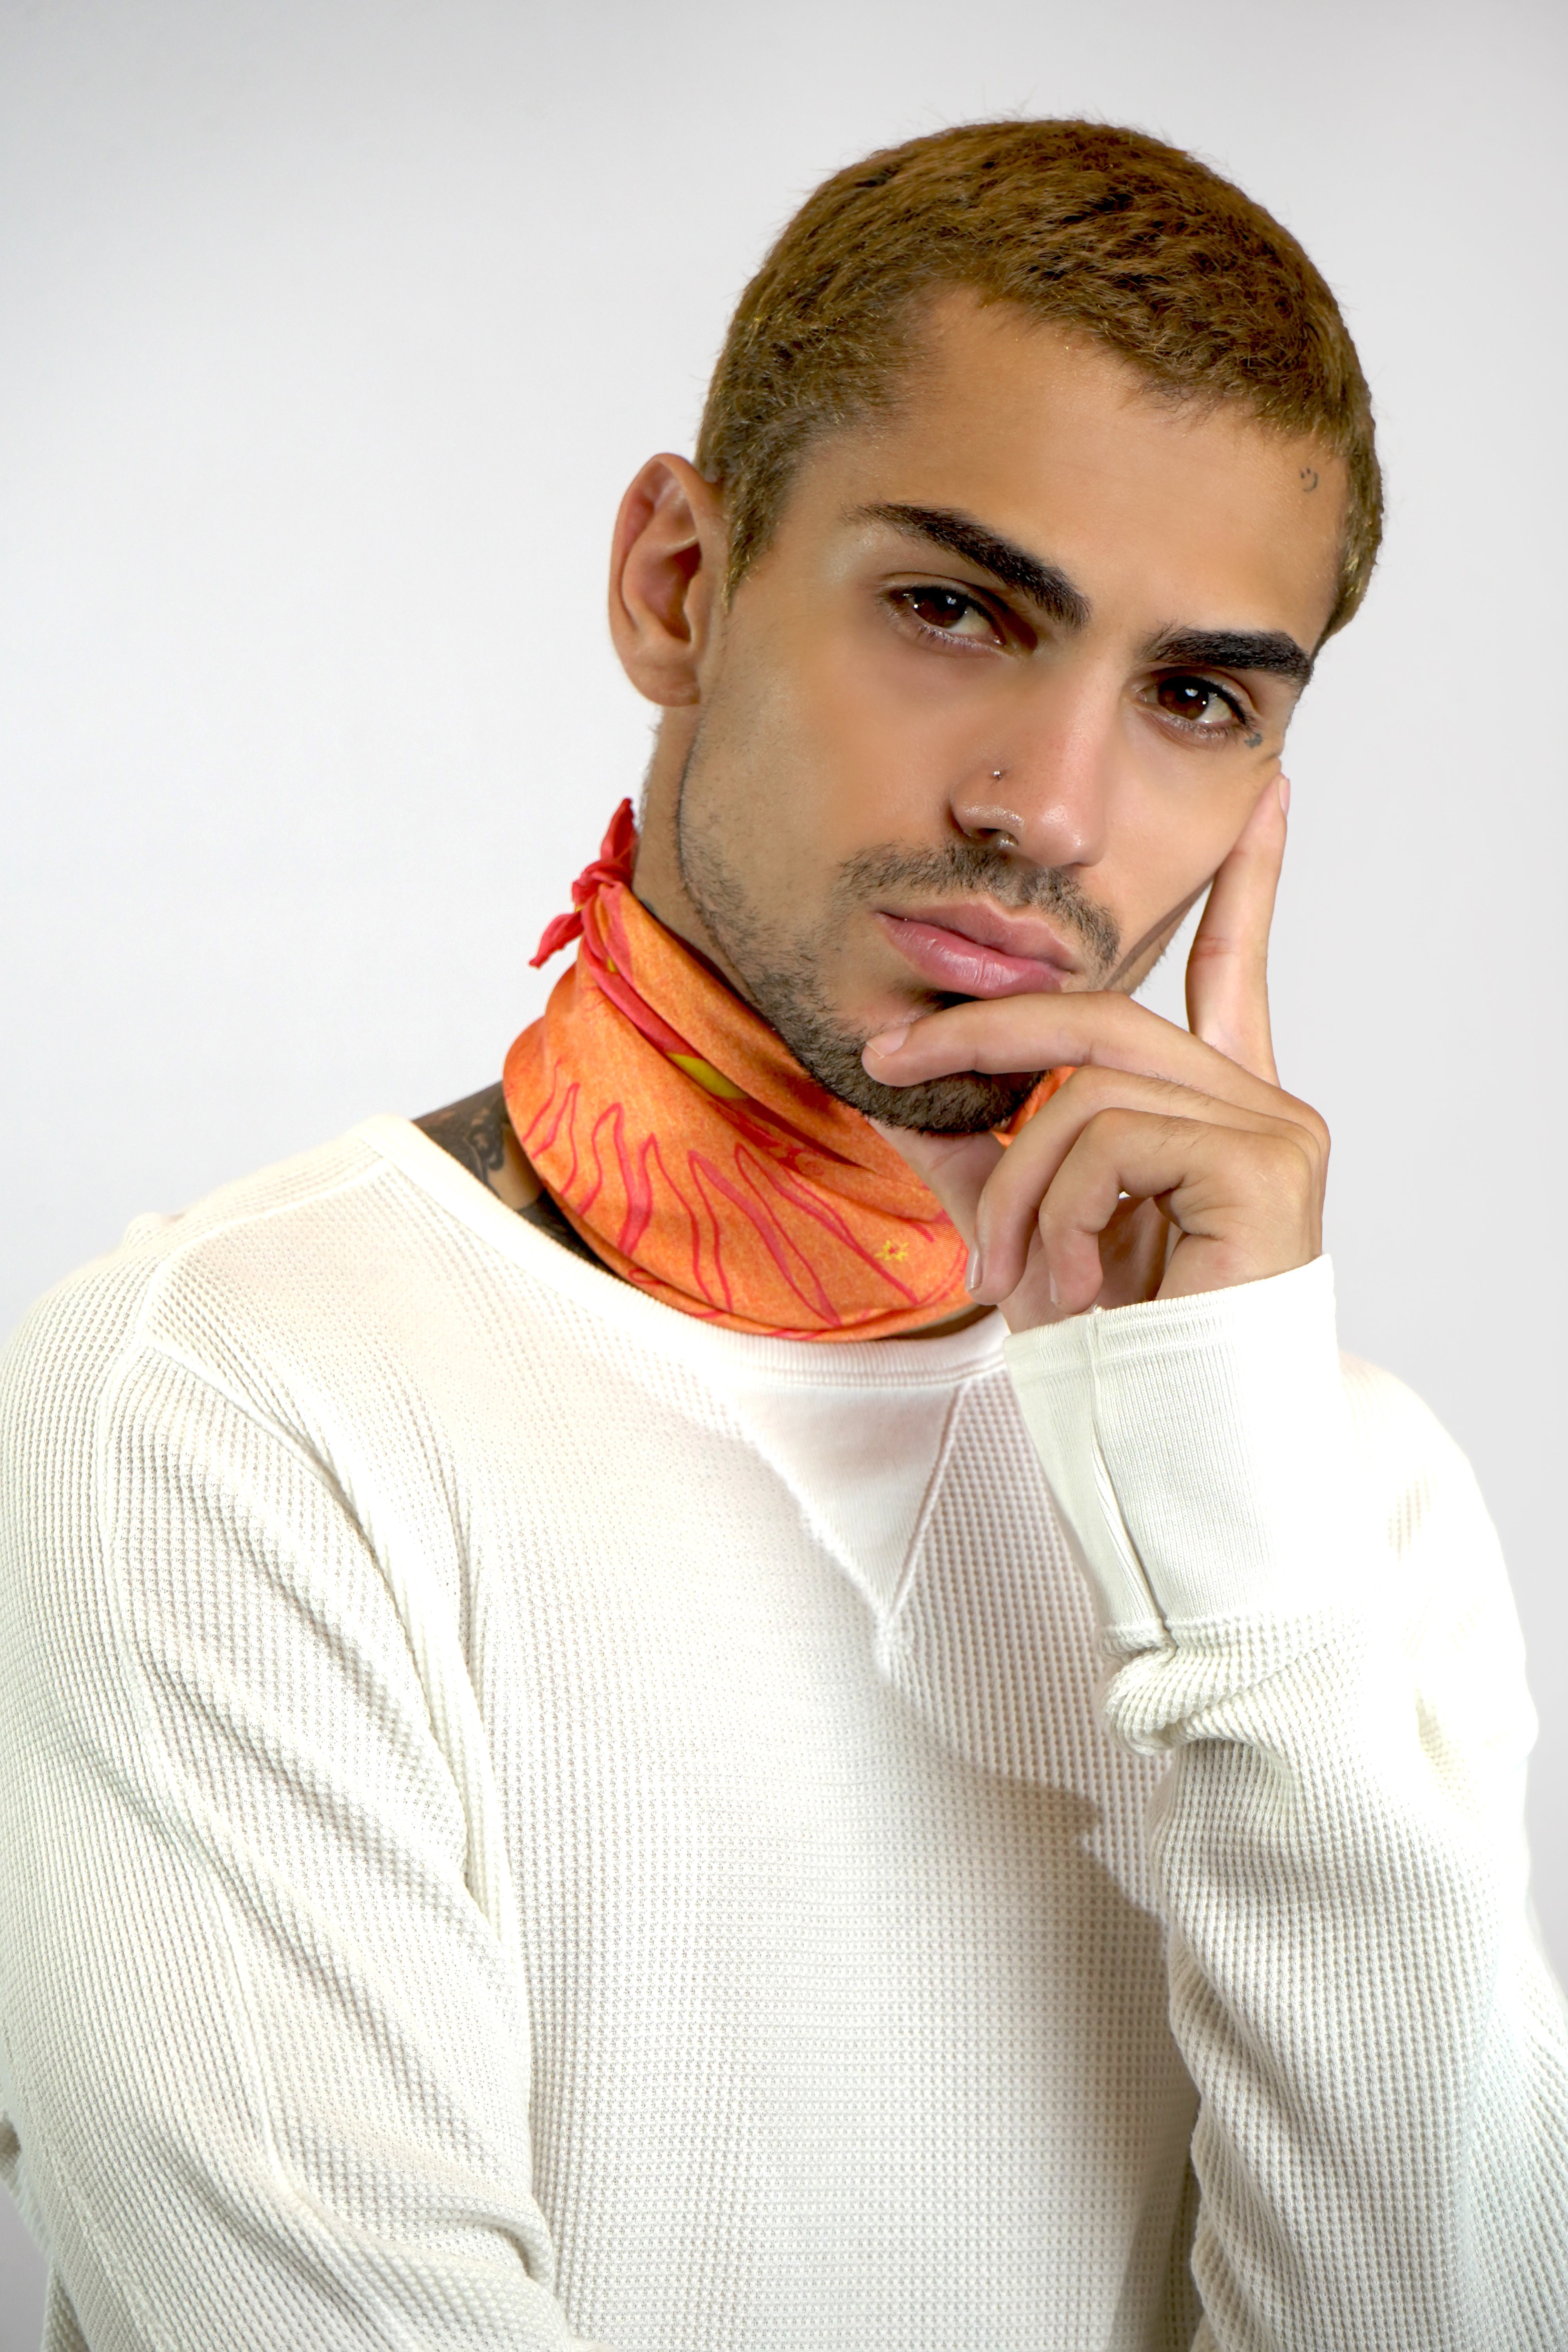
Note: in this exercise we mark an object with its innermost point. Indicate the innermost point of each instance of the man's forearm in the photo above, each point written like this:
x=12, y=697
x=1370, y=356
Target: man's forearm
x=1379, y=2052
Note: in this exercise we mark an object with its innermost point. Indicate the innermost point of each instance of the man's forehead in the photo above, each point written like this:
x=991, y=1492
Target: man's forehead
x=986, y=384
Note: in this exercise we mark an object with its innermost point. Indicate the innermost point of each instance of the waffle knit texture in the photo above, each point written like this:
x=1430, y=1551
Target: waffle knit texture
x=528, y=1821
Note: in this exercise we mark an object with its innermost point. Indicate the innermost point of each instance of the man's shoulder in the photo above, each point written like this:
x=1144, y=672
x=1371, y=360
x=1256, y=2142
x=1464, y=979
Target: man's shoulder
x=272, y=1264
x=1401, y=1445
x=1450, y=1582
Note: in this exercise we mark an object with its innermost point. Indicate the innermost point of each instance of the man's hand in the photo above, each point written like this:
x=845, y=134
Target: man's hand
x=1170, y=1162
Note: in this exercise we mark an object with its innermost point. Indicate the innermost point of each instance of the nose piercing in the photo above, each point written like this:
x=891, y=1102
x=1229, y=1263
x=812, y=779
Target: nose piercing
x=1005, y=840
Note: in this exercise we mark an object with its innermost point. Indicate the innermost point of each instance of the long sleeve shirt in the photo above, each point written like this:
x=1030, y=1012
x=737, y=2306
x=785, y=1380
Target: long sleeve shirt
x=529, y=1821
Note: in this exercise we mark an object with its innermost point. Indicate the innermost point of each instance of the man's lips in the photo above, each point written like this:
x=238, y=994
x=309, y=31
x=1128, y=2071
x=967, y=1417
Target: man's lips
x=977, y=950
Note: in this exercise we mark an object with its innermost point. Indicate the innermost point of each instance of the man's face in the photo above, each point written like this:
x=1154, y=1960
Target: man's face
x=998, y=697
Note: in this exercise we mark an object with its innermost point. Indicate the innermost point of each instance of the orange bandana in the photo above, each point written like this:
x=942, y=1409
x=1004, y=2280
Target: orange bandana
x=685, y=1144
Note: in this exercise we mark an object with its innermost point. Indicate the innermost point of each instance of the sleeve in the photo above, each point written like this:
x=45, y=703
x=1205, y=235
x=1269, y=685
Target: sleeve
x=266, y=2044
x=1302, y=1597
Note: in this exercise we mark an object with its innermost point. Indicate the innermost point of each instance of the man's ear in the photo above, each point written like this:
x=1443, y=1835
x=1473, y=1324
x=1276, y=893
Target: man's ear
x=666, y=567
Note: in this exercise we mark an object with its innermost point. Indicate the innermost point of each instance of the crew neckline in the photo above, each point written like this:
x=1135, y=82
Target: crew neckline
x=744, y=1355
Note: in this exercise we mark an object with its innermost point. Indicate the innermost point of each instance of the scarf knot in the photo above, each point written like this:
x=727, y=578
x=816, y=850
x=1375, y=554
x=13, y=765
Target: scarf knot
x=617, y=854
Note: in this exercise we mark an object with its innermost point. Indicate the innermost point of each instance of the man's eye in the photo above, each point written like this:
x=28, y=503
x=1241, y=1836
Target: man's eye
x=1199, y=702
x=951, y=612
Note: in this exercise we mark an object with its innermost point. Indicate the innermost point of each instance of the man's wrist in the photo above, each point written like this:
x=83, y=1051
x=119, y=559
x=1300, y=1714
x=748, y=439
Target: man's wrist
x=1201, y=1449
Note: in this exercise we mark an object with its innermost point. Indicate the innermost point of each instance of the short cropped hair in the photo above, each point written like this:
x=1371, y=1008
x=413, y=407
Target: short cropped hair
x=1164, y=262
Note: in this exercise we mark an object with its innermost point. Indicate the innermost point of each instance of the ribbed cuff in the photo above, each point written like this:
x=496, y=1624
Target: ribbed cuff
x=1200, y=1450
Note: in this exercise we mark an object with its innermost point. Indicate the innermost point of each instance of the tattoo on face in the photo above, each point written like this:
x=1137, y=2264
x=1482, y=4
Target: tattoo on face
x=1308, y=478
x=1253, y=739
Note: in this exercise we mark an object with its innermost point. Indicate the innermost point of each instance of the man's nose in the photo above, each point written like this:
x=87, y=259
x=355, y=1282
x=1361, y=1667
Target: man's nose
x=1044, y=785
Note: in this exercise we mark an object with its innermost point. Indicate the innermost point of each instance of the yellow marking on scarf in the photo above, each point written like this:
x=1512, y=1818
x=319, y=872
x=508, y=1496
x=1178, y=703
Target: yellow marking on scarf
x=707, y=1077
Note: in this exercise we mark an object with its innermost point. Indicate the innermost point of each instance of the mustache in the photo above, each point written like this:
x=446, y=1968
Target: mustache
x=964, y=868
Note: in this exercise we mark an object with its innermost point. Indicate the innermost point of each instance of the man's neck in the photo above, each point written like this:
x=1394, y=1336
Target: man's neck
x=479, y=1137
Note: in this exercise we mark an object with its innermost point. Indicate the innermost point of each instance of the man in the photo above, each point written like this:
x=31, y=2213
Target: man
x=589, y=1754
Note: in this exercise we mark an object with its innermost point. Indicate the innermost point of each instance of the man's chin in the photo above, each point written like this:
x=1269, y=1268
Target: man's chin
x=795, y=1006
x=967, y=1104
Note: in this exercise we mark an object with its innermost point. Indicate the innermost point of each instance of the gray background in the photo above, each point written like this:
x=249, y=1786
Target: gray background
x=332, y=332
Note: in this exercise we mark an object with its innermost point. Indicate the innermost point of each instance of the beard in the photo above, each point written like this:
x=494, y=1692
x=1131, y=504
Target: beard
x=783, y=975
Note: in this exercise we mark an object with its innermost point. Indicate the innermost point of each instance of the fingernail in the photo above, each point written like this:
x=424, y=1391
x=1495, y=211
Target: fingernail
x=1051, y=1288
x=887, y=1041
x=973, y=1270
x=1285, y=794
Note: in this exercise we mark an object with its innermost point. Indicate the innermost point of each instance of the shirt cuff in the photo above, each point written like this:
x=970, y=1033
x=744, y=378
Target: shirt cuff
x=1201, y=1451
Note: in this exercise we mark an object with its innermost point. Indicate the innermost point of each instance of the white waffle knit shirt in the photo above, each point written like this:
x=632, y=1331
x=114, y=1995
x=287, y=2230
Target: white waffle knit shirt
x=526, y=1820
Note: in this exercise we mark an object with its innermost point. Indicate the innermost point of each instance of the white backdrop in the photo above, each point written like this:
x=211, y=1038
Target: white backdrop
x=331, y=332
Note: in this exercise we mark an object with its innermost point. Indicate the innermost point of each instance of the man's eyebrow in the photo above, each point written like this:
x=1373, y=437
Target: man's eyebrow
x=1012, y=566
x=1266, y=649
